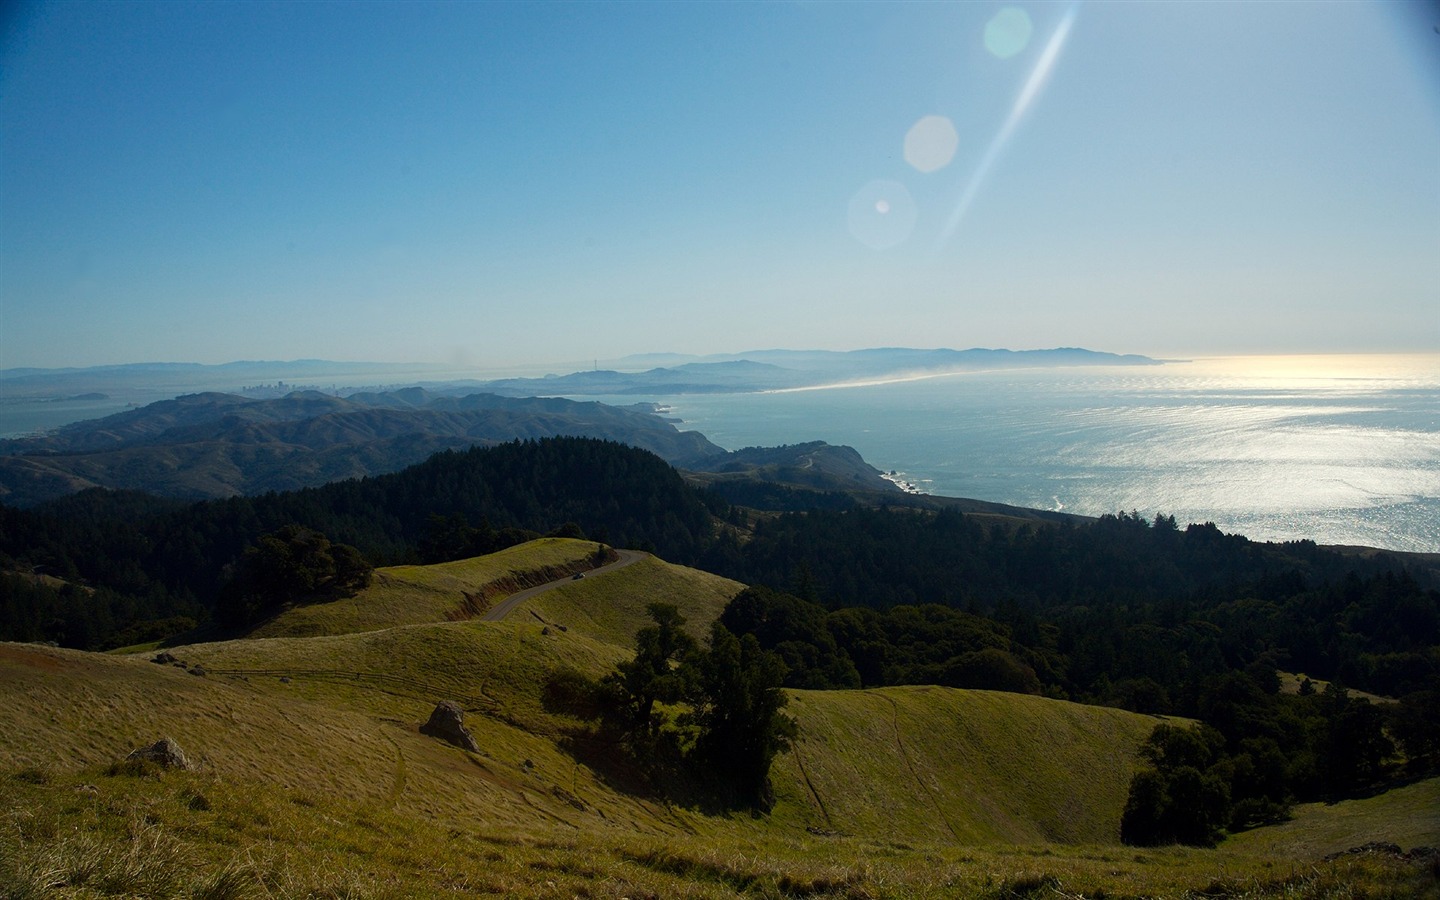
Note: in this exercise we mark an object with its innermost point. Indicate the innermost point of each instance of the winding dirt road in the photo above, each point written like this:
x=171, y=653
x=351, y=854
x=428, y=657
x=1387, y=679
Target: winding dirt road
x=504, y=607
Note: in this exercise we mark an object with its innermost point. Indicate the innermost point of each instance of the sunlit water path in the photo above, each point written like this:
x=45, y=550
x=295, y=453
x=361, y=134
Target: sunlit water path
x=1340, y=449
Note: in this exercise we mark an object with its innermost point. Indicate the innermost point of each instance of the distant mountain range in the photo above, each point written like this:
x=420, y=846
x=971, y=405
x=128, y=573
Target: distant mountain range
x=216, y=443
x=219, y=445
x=756, y=370
x=766, y=370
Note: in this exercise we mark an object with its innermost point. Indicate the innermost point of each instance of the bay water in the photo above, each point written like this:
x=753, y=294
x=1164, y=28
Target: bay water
x=1336, y=449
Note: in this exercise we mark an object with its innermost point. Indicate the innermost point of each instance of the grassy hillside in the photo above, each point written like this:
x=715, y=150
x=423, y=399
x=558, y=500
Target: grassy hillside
x=1408, y=817
x=972, y=767
x=612, y=608
x=314, y=778
x=939, y=764
x=339, y=715
x=412, y=595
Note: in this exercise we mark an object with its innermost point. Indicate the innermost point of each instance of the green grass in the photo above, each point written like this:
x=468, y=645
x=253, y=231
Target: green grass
x=611, y=607
x=1290, y=683
x=146, y=647
x=314, y=779
x=936, y=764
x=412, y=595
x=1407, y=816
x=86, y=833
x=974, y=767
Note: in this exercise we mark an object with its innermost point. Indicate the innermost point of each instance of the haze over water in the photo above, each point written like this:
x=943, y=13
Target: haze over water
x=1338, y=449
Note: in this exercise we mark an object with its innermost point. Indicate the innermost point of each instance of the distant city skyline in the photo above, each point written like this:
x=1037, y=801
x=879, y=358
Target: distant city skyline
x=502, y=185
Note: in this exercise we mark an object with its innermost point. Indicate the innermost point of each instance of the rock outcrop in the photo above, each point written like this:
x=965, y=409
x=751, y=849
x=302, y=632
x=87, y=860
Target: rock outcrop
x=447, y=723
x=165, y=752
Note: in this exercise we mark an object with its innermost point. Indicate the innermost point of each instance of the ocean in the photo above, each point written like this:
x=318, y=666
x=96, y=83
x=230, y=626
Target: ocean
x=1336, y=449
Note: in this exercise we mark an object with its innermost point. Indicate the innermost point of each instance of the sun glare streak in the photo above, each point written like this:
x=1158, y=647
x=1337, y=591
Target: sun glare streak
x=897, y=378
x=1038, y=76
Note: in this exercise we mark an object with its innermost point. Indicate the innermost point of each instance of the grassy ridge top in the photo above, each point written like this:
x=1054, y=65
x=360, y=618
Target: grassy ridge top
x=320, y=731
x=613, y=607
x=64, y=709
x=414, y=595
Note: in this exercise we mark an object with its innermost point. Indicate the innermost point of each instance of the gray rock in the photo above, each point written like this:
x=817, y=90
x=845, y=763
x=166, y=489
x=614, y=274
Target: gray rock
x=165, y=752
x=447, y=723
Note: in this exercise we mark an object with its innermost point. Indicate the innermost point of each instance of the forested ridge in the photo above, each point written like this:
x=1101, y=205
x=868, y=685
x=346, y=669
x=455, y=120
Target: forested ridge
x=128, y=557
x=1081, y=601
x=1120, y=596
x=1121, y=611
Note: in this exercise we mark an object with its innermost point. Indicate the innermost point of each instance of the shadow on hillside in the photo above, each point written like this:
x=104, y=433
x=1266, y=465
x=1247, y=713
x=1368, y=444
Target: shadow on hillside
x=214, y=632
x=654, y=767
x=665, y=777
x=1413, y=772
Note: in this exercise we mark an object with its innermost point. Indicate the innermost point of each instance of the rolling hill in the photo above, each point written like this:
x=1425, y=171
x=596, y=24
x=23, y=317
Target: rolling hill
x=313, y=778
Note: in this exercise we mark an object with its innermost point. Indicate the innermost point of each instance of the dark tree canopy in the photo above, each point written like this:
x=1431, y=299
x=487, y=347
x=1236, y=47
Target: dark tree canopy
x=292, y=565
x=737, y=703
x=722, y=725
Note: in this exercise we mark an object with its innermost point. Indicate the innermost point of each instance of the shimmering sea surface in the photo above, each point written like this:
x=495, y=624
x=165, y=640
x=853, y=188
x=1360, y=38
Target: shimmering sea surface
x=1338, y=449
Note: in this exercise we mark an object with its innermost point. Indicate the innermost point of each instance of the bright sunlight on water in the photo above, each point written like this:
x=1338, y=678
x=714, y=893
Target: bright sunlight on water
x=1338, y=449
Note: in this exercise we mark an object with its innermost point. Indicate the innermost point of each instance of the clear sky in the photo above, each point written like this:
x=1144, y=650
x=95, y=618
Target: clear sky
x=490, y=184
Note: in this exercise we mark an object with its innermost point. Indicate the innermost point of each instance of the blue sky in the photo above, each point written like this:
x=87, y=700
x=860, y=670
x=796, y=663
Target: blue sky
x=490, y=185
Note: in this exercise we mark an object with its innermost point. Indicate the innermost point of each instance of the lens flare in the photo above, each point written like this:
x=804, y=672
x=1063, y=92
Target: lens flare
x=1038, y=76
x=930, y=144
x=882, y=214
x=1008, y=32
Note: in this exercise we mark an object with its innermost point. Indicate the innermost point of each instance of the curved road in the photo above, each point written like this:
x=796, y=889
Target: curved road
x=503, y=608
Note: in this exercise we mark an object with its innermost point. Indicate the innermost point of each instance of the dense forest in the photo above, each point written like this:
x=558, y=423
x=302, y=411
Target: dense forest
x=1121, y=598
x=126, y=558
x=1122, y=610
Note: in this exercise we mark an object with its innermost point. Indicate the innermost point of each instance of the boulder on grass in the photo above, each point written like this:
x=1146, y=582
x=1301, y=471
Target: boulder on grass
x=165, y=752
x=447, y=723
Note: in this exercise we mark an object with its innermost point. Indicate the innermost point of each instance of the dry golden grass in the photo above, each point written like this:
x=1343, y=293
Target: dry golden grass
x=93, y=833
x=314, y=779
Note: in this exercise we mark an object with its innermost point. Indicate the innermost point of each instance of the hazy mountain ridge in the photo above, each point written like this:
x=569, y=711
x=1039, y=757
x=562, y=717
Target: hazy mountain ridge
x=753, y=370
x=215, y=445
x=218, y=443
x=764, y=370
